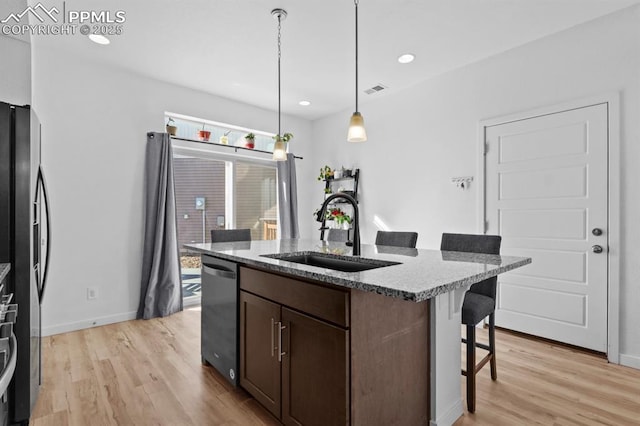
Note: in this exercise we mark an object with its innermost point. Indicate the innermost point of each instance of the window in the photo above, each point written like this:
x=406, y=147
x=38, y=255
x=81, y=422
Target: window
x=188, y=128
x=256, y=204
x=218, y=188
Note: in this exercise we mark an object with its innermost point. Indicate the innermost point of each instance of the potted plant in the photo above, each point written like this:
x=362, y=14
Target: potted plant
x=286, y=137
x=171, y=127
x=224, y=140
x=342, y=219
x=326, y=173
x=203, y=134
x=250, y=140
x=327, y=192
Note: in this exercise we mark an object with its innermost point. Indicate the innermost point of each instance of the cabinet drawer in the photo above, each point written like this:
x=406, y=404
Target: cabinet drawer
x=322, y=302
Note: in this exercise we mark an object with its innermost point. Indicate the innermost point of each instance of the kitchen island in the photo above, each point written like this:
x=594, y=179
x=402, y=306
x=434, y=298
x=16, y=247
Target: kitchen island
x=366, y=344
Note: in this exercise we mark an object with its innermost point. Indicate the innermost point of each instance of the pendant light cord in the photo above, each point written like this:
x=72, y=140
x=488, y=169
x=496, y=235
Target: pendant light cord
x=356, y=3
x=279, y=55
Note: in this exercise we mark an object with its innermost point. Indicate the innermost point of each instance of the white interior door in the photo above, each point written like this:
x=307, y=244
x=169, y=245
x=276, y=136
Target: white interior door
x=546, y=194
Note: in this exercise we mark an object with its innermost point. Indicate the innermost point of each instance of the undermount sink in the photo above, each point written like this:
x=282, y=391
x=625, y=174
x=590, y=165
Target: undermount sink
x=332, y=261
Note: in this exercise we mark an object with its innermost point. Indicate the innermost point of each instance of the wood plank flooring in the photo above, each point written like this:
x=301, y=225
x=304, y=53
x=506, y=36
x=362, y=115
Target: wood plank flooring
x=545, y=383
x=149, y=373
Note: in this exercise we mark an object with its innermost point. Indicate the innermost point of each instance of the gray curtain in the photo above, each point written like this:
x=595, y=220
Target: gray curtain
x=161, y=285
x=288, y=198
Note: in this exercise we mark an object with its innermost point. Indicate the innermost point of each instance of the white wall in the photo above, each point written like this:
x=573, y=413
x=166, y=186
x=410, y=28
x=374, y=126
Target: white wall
x=421, y=137
x=95, y=121
x=15, y=71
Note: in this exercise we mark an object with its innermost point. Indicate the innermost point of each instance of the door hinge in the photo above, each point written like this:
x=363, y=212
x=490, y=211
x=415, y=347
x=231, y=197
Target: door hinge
x=486, y=147
x=486, y=226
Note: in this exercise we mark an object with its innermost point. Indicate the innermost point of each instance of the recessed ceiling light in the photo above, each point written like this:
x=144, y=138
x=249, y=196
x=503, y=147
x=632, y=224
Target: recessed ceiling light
x=406, y=58
x=304, y=103
x=100, y=39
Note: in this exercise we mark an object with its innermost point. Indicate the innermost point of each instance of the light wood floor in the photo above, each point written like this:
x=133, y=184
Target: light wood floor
x=149, y=372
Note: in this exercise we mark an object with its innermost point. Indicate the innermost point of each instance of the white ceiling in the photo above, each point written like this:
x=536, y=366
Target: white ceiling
x=228, y=47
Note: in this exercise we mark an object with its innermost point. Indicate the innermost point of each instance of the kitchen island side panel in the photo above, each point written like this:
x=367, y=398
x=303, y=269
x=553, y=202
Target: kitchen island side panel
x=390, y=379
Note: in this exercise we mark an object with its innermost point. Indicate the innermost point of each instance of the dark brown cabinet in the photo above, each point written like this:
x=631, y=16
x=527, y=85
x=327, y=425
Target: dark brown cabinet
x=294, y=365
x=259, y=365
x=315, y=375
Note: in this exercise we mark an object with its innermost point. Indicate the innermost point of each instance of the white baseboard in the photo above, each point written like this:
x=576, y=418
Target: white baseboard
x=88, y=323
x=630, y=361
x=450, y=416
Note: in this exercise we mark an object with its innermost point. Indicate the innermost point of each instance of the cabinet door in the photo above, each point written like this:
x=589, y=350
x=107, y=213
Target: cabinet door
x=315, y=372
x=259, y=366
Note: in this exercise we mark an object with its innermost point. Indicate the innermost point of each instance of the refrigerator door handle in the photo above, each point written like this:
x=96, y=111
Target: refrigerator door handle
x=42, y=181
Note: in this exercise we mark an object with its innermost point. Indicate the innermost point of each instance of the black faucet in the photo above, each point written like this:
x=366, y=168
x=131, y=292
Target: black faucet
x=356, y=217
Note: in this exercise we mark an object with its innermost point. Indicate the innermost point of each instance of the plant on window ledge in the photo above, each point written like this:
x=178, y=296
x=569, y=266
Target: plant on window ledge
x=250, y=140
x=284, y=138
x=171, y=127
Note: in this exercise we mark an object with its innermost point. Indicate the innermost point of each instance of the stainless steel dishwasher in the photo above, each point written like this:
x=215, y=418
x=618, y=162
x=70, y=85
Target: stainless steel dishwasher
x=219, y=324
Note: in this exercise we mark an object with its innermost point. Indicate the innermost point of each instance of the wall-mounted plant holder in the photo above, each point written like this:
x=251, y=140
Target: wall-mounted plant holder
x=462, y=182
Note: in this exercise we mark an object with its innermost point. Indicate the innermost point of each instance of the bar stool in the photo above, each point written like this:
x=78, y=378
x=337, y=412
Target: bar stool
x=397, y=239
x=479, y=302
x=230, y=235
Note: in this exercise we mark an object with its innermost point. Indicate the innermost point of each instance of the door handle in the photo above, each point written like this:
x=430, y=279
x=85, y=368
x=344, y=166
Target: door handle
x=597, y=249
x=597, y=232
x=280, y=352
x=41, y=181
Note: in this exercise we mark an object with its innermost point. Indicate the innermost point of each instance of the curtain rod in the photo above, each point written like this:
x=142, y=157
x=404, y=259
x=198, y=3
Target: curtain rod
x=236, y=148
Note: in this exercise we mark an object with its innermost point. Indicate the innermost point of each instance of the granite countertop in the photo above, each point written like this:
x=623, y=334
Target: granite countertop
x=4, y=270
x=420, y=275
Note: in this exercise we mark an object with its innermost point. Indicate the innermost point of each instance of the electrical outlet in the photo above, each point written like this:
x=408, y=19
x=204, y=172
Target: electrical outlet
x=92, y=293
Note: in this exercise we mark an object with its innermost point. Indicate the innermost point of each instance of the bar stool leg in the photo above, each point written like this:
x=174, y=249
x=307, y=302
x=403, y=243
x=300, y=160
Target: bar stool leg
x=492, y=345
x=471, y=368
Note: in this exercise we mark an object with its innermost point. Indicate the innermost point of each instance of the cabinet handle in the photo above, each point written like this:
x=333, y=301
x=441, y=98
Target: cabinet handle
x=280, y=352
x=272, y=339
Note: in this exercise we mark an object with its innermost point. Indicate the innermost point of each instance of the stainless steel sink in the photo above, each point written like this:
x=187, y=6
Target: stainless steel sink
x=332, y=261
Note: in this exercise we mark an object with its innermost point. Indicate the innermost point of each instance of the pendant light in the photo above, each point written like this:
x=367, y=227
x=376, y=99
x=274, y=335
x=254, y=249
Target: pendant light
x=279, y=149
x=357, y=133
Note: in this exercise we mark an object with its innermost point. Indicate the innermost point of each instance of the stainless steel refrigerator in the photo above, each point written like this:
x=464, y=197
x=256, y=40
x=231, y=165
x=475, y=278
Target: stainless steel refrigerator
x=24, y=242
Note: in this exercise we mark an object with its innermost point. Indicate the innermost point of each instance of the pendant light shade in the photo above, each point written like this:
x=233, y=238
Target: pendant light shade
x=357, y=132
x=279, y=148
x=279, y=151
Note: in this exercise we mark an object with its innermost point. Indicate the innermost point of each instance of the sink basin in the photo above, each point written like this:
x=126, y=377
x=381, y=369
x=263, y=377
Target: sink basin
x=332, y=261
